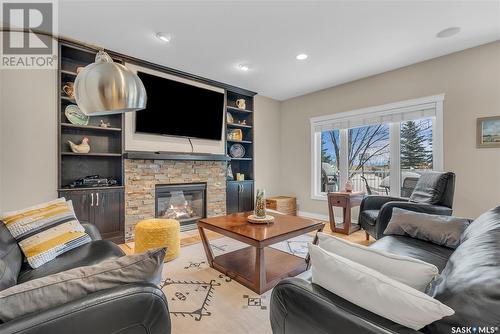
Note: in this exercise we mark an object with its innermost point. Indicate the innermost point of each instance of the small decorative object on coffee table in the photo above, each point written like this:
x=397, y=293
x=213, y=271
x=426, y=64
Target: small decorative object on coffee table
x=260, y=203
x=248, y=265
x=345, y=200
x=260, y=220
x=260, y=216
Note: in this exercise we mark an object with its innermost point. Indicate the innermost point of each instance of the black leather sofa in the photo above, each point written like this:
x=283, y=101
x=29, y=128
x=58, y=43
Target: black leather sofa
x=469, y=284
x=128, y=309
x=376, y=211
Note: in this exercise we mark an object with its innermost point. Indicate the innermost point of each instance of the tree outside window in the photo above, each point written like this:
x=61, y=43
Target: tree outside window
x=369, y=152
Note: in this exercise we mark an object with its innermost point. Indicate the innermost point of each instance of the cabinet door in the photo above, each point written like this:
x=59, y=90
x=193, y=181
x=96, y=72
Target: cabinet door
x=232, y=197
x=108, y=213
x=246, y=202
x=82, y=201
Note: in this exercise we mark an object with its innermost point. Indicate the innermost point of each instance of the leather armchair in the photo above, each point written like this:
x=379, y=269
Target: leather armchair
x=139, y=308
x=298, y=306
x=376, y=211
x=468, y=284
x=131, y=309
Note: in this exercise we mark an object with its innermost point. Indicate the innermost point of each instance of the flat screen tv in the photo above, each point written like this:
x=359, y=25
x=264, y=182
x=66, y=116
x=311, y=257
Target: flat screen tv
x=177, y=109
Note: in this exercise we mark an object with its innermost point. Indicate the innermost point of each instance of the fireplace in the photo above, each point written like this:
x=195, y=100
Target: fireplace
x=184, y=202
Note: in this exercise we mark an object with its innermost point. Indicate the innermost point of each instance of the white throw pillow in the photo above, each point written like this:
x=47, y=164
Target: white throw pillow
x=374, y=291
x=413, y=272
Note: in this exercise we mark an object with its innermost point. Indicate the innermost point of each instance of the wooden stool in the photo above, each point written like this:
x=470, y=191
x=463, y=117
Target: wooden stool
x=157, y=233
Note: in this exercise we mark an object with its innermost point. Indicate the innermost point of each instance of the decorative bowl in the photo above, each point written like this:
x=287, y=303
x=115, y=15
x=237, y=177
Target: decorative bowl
x=237, y=151
x=75, y=115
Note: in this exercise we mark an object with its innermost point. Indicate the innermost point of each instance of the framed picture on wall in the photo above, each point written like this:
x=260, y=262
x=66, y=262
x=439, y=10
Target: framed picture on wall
x=488, y=132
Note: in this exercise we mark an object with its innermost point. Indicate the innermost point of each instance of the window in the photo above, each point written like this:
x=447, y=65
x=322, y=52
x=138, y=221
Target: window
x=381, y=150
x=330, y=144
x=416, y=152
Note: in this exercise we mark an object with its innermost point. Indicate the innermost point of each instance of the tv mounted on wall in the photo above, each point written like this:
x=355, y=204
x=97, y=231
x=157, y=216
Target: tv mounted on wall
x=179, y=109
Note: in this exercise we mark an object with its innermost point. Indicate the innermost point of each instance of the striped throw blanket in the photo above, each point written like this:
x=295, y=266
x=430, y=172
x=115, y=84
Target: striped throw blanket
x=46, y=231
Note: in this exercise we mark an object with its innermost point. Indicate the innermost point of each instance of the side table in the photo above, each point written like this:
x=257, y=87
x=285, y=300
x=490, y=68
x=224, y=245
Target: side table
x=345, y=200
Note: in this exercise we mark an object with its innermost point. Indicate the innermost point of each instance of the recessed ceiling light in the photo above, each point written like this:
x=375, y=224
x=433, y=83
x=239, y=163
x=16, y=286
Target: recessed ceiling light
x=243, y=67
x=164, y=37
x=301, y=56
x=448, y=32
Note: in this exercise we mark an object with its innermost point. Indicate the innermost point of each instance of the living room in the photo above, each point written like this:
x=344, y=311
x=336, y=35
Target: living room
x=174, y=167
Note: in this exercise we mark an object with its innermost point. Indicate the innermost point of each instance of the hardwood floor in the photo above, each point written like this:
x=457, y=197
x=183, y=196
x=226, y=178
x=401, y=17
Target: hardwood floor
x=193, y=237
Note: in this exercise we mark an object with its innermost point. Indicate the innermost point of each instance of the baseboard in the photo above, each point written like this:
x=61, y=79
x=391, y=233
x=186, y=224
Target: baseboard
x=313, y=215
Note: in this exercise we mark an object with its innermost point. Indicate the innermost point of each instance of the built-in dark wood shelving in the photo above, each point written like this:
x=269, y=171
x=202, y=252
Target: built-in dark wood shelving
x=101, y=206
x=239, y=110
x=89, y=127
x=240, y=194
x=89, y=188
x=242, y=159
x=93, y=154
x=68, y=72
x=107, y=142
x=240, y=141
x=66, y=98
x=234, y=125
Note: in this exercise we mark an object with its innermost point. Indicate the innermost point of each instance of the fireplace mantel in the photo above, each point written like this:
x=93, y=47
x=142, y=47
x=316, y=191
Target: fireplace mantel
x=142, y=155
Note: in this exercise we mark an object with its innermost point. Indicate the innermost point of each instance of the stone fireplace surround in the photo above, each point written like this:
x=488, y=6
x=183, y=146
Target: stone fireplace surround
x=141, y=177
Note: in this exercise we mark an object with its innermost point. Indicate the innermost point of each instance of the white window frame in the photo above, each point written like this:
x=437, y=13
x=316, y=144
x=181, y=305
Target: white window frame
x=434, y=101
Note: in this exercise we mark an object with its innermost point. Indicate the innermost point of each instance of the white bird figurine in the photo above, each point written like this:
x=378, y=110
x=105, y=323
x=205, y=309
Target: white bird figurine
x=83, y=147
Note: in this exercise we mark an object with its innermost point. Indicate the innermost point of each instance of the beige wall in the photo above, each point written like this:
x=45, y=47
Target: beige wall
x=470, y=81
x=267, y=145
x=28, y=137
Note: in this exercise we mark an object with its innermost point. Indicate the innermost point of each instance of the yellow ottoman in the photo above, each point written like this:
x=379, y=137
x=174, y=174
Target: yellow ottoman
x=157, y=233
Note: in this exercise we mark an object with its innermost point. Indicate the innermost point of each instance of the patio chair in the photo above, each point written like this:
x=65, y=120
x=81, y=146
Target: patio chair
x=433, y=194
x=369, y=189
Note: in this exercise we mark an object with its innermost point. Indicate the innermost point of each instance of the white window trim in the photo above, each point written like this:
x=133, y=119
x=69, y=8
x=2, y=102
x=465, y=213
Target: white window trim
x=434, y=101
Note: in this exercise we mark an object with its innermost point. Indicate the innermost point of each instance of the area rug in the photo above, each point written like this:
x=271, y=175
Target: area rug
x=202, y=300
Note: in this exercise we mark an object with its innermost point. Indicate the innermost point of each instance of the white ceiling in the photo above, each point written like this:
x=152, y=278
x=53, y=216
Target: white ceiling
x=345, y=40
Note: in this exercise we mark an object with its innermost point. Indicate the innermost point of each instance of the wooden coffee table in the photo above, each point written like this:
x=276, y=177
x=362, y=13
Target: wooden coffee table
x=258, y=267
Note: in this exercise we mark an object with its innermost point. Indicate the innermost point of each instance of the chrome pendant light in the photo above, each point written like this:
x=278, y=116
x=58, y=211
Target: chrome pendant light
x=105, y=87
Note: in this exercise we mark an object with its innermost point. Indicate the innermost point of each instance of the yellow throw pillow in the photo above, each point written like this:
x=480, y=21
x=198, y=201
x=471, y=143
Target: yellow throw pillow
x=45, y=231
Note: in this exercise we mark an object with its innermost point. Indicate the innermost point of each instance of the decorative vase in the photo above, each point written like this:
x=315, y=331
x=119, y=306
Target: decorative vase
x=230, y=175
x=348, y=186
x=241, y=104
x=260, y=203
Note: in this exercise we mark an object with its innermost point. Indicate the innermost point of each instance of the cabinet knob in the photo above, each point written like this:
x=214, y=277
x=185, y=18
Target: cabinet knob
x=92, y=199
x=97, y=194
